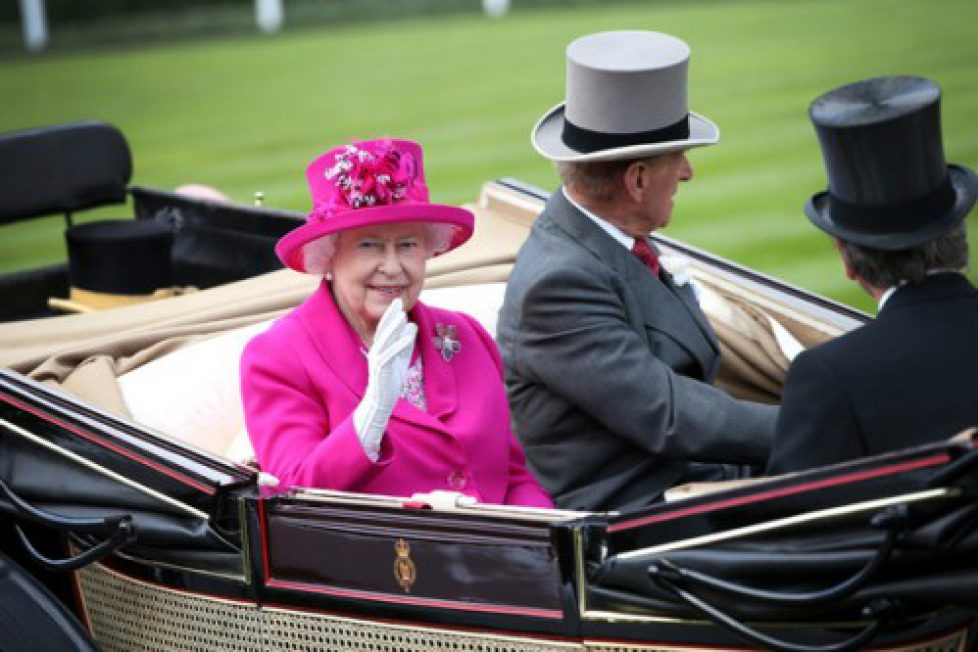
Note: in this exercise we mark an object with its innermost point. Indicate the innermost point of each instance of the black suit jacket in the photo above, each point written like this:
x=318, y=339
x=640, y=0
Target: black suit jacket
x=608, y=370
x=908, y=378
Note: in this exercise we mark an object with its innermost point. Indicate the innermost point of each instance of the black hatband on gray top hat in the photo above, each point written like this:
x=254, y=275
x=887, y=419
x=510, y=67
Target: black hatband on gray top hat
x=888, y=184
x=626, y=98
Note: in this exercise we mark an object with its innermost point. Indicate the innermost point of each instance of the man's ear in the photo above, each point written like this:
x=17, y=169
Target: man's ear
x=636, y=180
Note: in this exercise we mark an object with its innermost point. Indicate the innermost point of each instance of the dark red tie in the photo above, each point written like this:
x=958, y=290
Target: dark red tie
x=646, y=254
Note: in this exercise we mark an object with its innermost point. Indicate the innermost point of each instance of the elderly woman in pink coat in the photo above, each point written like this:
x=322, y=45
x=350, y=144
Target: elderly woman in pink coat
x=362, y=387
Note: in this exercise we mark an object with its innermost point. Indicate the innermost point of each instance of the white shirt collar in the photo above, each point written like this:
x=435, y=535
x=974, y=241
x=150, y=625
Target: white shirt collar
x=930, y=272
x=889, y=293
x=620, y=236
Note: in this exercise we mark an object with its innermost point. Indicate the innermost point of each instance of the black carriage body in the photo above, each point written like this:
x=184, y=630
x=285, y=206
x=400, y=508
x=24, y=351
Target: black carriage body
x=237, y=567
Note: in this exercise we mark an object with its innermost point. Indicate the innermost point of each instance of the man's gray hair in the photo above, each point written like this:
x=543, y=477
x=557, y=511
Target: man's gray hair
x=884, y=269
x=599, y=181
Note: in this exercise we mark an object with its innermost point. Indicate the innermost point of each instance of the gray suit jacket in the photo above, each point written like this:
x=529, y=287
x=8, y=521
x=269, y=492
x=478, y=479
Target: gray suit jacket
x=608, y=370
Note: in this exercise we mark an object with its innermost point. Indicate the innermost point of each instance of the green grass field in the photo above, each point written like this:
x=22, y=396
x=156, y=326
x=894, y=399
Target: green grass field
x=248, y=113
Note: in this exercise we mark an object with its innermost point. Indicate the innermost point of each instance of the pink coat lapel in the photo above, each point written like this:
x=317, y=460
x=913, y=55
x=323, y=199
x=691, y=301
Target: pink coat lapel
x=341, y=350
x=334, y=339
x=441, y=389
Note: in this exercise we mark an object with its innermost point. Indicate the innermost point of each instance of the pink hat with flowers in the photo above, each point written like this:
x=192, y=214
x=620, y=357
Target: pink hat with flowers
x=364, y=184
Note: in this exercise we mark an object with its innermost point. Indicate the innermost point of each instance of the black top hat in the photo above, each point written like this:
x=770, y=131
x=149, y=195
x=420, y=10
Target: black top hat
x=114, y=262
x=889, y=186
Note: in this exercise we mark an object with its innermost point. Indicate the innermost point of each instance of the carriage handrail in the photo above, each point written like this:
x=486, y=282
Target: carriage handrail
x=18, y=507
x=877, y=612
x=124, y=535
x=893, y=520
x=121, y=531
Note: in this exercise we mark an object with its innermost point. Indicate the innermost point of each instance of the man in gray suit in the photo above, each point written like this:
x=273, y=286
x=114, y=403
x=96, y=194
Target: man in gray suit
x=609, y=362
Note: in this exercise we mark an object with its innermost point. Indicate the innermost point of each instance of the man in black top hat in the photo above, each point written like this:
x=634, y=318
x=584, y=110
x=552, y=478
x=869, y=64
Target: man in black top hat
x=896, y=210
x=609, y=359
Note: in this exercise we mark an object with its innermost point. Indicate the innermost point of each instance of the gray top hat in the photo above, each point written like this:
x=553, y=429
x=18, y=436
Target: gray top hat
x=889, y=185
x=626, y=98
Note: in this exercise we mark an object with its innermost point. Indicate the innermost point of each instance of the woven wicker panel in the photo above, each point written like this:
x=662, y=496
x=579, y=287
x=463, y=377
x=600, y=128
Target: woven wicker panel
x=291, y=630
x=128, y=615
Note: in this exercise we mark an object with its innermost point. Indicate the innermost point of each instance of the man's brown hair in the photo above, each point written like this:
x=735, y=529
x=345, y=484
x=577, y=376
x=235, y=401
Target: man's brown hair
x=883, y=269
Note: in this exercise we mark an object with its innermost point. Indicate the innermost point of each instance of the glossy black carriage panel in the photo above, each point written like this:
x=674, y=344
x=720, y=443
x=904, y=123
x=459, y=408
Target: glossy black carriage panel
x=861, y=481
x=390, y=559
x=101, y=438
x=884, y=548
x=70, y=461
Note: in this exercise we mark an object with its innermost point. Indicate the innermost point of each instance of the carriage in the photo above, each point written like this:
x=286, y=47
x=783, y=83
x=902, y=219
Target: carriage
x=134, y=517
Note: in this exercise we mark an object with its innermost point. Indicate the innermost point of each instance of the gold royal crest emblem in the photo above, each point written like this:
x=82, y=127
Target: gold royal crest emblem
x=405, y=572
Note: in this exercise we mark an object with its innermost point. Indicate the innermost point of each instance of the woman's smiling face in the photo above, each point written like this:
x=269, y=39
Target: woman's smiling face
x=372, y=266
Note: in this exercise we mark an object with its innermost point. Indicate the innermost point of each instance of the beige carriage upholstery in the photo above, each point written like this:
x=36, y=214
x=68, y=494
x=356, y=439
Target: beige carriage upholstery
x=173, y=365
x=90, y=356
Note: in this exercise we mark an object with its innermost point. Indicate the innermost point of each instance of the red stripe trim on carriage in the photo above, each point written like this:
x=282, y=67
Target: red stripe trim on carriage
x=780, y=493
x=81, y=612
x=262, y=529
x=419, y=602
x=176, y=475
x=655, y=646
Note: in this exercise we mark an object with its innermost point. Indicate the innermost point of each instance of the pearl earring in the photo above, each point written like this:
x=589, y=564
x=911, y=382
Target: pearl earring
x=329, y=276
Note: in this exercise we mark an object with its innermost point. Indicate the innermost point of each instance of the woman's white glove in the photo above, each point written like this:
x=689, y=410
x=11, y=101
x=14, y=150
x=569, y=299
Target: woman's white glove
x=387, y=363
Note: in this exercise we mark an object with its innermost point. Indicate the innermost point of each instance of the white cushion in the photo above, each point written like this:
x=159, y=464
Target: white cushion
x=193, y=394
x=481, y=301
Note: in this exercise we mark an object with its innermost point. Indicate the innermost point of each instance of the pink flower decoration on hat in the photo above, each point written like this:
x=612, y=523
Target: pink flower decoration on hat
x=365, y=175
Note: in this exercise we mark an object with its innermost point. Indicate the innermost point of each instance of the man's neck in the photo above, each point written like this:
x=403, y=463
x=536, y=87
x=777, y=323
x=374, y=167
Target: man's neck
x=874, y=291
x=611, y=212
x=882, y=296
x=613, y=231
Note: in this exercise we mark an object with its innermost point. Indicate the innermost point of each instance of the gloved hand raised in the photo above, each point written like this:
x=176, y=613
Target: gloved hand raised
x=387, y=363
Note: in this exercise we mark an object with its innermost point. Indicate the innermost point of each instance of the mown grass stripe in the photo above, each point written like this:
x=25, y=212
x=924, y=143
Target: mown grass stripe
x=247, y=113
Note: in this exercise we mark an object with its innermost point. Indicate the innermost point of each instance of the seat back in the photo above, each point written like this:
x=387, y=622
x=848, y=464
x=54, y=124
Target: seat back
x=62, y=169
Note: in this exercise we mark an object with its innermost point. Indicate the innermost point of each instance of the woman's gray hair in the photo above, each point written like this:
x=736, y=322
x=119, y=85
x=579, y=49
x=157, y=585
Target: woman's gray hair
x=883, y=269
x=316, y=255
